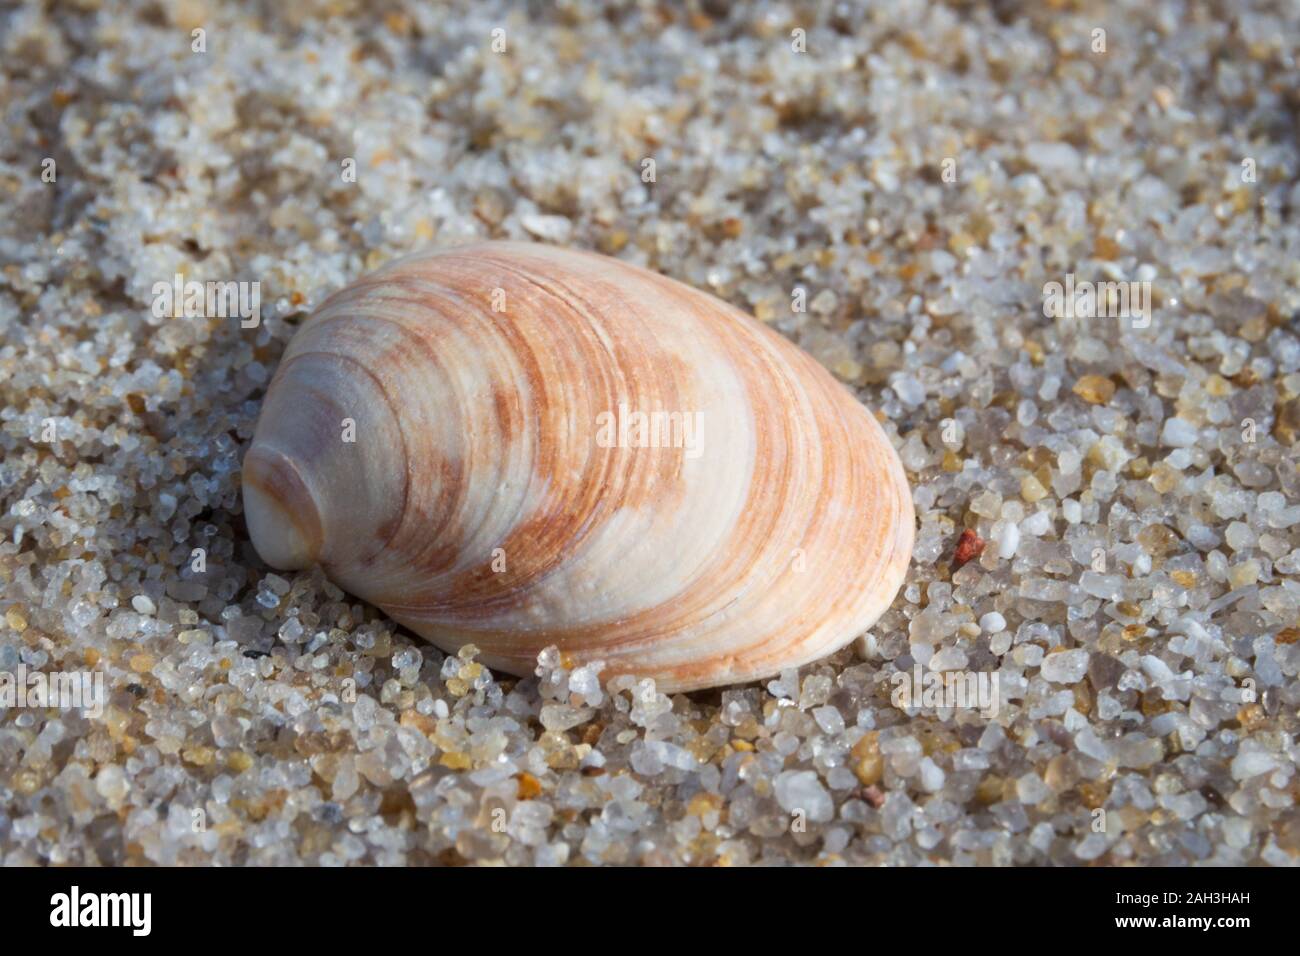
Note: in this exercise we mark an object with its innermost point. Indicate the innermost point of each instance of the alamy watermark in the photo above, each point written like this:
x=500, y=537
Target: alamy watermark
x=1098, y=300
x=220, y=300
x=658, y=429
x=931, y=690
x=64, y=690
x=133, y=911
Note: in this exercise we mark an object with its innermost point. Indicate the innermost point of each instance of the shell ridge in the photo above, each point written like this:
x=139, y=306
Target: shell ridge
x=382, y=391
x=443, y=509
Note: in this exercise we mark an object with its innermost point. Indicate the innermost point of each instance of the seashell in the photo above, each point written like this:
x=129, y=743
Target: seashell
x=455, y=439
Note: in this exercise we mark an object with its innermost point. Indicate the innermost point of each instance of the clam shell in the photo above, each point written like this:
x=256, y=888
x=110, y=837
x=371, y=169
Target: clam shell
x=496, y=489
